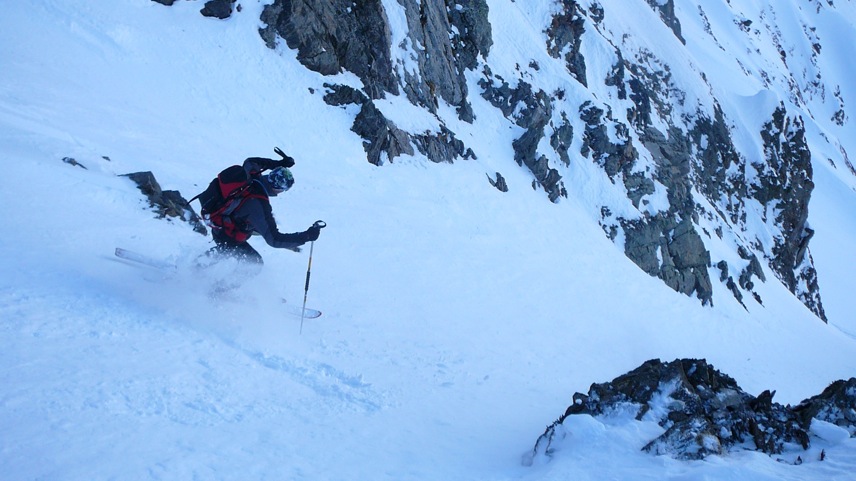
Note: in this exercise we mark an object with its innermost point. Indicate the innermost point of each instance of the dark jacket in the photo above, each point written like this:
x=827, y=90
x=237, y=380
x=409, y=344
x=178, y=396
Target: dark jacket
x=256, y=213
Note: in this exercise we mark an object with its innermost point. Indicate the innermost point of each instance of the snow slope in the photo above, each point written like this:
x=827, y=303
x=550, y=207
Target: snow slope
x=458, y=321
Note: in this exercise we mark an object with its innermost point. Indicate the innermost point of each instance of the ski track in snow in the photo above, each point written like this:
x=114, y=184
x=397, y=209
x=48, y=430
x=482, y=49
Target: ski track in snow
x=323, y=379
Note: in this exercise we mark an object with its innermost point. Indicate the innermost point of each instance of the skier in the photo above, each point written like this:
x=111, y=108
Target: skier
x=253, y=214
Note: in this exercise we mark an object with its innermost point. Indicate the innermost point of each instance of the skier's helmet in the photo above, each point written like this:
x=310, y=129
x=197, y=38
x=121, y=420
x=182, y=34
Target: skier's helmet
x=280, y=179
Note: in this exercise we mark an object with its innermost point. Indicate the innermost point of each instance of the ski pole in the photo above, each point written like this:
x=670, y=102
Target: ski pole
x=320, y=224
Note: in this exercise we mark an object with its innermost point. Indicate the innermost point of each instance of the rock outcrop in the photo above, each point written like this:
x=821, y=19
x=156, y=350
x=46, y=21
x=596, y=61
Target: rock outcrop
x=785, y=186
x=531, y=110
x=167, y=203
x=704, y=411
x=335, y=35
x=332, y=36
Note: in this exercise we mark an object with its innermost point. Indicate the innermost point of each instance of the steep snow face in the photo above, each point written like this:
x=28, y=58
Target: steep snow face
x=458, y=320
x=707, y=119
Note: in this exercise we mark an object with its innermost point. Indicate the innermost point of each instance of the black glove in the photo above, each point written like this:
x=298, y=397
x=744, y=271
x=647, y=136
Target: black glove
x=287, y=161
x=311, y=234
x=258, y=164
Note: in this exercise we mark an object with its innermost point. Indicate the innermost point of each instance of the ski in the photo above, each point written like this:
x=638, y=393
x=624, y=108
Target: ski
x=296, y=311
x=142, y=259
x=139, y=259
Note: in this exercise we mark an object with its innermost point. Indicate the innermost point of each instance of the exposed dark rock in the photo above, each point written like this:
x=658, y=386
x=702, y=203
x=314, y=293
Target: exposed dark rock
x=641, y=97
x=729, y=282
x=719, y=171
x=382, y=140
x=667, y=244
x=561, y=139
x=165, y=2
x=785, y=182
x=438, y=75
x=442, y=146
x=332, y=35
x=705, y=412
x=471, y=37
x=446, y=51
x=644, y=241
x=221, y=9
x=497, y=91
x=616, y=76
x=687, y=271
x=667, y=13
x=638, y=186
x=532, y=111
x=840, y=116
x=752, y=270
x=653, y=90
x=167, y=203
x=672, y=156
x=614, y=158
x=499, y=183
x=672, y=251
x=72, y=161
x=802, y=248
x=564, y=35
x=338, y=95
x=836, y=405
x=596, y=12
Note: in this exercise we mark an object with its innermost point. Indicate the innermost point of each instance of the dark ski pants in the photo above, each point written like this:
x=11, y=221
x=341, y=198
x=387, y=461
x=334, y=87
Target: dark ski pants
x=241, y=251
x=249, y=263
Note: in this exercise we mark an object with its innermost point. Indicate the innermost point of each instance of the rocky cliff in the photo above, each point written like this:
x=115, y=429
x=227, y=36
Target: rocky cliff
x=690, y=171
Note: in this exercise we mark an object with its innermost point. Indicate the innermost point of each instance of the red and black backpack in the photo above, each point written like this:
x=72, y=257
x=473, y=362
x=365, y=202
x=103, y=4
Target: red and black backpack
x=224, y=195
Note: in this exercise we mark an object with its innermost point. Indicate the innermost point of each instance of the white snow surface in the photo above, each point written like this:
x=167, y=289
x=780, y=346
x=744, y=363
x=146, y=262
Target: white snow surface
x=458, y=321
